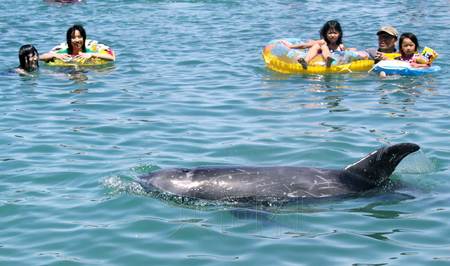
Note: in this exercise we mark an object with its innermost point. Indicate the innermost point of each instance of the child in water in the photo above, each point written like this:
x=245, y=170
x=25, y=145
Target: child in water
x=28, y=59
x=331, y=41
x=76, y=48
x=408, y=46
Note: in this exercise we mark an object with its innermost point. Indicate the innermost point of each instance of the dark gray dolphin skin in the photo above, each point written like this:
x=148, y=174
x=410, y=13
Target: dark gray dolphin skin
x=282, y=183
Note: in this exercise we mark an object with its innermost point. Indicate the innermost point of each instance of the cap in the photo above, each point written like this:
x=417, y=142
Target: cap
x=389, y=30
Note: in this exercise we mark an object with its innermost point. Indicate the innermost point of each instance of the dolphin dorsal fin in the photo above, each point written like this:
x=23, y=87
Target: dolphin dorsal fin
x=376, y=167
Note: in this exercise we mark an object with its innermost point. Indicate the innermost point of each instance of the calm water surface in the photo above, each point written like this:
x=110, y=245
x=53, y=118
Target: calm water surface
x=189, y=88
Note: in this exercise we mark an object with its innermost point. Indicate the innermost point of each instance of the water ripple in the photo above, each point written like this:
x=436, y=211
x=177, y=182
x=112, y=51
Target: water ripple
x=189, y=88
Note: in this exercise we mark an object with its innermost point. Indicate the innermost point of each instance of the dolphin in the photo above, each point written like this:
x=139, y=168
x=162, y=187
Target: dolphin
x=285, y=183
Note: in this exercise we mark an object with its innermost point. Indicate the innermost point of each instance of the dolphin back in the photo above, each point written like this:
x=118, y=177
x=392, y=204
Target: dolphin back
x=376, y=167
x=244, y=183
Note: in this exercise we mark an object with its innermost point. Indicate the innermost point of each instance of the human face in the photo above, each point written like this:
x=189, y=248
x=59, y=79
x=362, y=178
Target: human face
x=77, y=41
x=408, y=47
x=32, y=61
x=332, y=35
x=386, y=42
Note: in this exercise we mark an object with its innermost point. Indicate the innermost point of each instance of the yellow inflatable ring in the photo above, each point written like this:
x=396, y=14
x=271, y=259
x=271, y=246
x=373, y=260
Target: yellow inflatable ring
x=91, y=47
x=286, y=63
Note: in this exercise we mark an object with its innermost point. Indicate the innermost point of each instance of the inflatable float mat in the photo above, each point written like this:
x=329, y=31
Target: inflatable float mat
x=287, y=65
x=397, y=67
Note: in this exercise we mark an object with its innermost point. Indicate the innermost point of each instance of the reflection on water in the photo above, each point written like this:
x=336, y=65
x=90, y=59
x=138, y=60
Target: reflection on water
x=78, y=74
x=211, y=100
x=382, y=235
x=64, y=2
x=315, y=91
x=404, y=91
x=387, y=199
x=332, y=92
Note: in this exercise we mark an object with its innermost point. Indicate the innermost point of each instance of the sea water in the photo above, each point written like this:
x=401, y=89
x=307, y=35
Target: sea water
x=190, y=88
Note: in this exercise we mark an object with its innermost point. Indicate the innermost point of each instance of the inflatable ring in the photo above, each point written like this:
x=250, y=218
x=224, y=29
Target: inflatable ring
x=397, y=67
x=391, y=56
x=278, y=57
x=91, y=47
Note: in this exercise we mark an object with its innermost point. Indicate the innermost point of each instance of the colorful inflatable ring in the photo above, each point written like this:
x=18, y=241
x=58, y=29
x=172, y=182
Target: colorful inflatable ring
x=91, y=47
x=278, y=57
x=397, y=67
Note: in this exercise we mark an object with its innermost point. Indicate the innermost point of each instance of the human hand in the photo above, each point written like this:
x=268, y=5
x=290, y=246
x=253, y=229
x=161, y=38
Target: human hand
x=84, y=55
x=321, y=42
x=64, y=57
x=380, y=56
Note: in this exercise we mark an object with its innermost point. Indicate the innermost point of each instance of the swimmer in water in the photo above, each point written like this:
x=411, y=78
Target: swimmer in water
x=76, y=48
x=28, y=59
x=408, y=46
x=331, y=41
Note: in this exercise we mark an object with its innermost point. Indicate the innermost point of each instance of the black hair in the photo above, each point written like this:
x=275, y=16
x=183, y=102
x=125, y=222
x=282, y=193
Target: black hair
x=410, y=36
x=69, y=33
x=24, y=52
x=331, y=24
